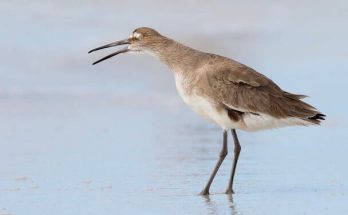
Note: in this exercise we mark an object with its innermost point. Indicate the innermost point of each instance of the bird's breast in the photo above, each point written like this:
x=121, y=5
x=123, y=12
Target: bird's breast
x=187, y=89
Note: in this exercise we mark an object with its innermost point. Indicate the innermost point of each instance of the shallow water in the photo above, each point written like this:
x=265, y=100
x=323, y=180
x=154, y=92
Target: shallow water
x=116, y=138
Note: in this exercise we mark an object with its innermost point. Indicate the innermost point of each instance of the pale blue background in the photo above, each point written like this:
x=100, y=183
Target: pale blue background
x=115, y=138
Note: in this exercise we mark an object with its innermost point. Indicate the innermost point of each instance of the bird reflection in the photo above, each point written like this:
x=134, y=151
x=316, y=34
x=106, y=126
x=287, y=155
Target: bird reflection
x=215, y=207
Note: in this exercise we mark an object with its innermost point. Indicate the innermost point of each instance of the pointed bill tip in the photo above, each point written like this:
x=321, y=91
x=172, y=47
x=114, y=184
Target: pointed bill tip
x=98, y=61
x=93, y=50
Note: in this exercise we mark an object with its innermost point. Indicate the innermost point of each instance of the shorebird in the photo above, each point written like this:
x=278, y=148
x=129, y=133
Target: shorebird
x=223, y=91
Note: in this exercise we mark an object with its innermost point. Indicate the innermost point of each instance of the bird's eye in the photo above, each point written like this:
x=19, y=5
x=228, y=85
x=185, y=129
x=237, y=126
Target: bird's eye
x=136, y=35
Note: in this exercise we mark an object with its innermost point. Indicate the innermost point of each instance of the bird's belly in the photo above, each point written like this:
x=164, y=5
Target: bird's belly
x=208, y=110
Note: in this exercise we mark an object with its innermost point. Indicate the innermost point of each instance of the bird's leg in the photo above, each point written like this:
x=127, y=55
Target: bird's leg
x=237, y=150
x=222, y=156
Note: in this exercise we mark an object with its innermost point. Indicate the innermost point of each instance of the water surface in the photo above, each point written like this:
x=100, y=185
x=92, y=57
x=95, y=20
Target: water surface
x=116, y=138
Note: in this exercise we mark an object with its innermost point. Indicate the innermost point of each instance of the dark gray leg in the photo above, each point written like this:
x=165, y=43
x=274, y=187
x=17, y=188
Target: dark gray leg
x=237, y=149
x=223, y=154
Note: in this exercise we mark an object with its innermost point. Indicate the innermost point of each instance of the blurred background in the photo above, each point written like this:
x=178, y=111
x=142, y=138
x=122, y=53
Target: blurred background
x=116, y=138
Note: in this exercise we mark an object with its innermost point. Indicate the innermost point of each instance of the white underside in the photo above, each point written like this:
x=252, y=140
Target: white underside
x=249, y=122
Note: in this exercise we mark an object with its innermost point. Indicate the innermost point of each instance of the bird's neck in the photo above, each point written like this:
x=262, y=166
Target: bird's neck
x=176, y=56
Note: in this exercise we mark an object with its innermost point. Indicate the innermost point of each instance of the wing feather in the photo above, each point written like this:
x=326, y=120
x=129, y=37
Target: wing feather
x=244, y=89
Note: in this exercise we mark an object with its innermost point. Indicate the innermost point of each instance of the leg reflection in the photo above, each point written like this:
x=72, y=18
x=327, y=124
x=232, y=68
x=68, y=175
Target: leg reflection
x=231, y=204
x=216, y=204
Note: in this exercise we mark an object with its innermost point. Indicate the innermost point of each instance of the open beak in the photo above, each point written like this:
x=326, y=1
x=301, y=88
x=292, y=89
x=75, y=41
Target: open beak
x=121, y=42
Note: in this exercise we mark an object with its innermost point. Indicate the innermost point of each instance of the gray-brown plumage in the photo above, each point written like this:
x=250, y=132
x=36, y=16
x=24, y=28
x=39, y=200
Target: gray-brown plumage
x=223, y=91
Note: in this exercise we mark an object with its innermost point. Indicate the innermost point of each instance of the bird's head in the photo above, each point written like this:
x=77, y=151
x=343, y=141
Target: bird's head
x=142, y=39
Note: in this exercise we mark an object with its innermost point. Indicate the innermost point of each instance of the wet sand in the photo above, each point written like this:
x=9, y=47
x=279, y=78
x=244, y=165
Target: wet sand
x=116, y=138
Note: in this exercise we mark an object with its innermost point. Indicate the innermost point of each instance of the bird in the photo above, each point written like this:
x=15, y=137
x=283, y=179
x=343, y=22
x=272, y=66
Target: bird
x=225, y=92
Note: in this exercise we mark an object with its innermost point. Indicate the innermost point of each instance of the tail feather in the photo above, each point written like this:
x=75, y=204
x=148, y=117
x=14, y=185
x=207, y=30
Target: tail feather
x=301, y=109
x=318, y=116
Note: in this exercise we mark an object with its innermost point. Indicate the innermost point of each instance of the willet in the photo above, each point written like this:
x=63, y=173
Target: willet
x=223, y=91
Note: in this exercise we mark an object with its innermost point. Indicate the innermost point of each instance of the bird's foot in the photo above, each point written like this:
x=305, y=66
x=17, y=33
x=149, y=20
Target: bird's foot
x=204, y=192
x=229, y=191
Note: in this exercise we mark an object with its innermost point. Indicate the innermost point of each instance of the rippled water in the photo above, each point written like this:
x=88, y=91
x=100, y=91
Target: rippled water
x=116, y=138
